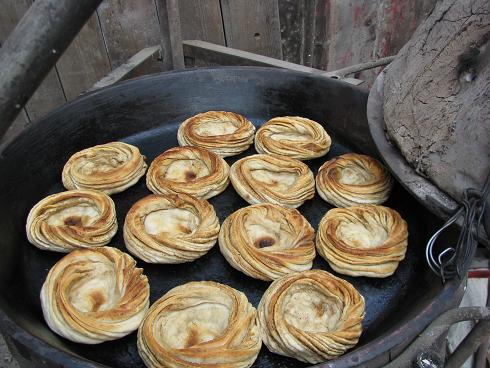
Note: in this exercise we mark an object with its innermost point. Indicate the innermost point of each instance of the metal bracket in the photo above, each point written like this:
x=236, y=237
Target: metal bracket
x=438, y=329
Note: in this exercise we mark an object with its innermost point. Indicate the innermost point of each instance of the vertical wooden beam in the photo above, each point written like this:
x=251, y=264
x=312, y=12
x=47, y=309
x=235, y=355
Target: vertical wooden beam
x=128, y=26
x=253, y=25
x=291, y=16
x=85, y=61
x=316, y=24
x=171, y=36
x=201, y=20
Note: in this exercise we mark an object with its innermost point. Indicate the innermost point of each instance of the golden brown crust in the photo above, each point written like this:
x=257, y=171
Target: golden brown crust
x=222, y=132
x=273, y=179
x=364, y=240
x=74, y=219
x=312, y=316
x=109, y=168
x=293, y=136
x=190, y=170
x=172, y=228
x=353, y=179
x=200, y=324
x=95, y=295
x=267, y=241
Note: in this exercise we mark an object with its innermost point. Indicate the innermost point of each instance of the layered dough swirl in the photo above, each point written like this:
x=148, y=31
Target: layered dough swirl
x=224, y=133
x=364, y=240
x=312, y=316
x=353, y=179
x=191, y=170
x=109, y=168
x=273, y=179
x=293, y=136
x=172, y=228
x=267, y=241
x=74, y=219
x=95, y=295
x=200, y=324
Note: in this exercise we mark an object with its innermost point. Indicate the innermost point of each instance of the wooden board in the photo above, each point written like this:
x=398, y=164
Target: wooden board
x=49, y=94
x=19, y=124
x=128, y=26
x=85, y=61
x=323, y=34
x=396, y=15
x=201, y=20
x=303, y=26
x=138, y=65
x=252, y=25
x=362, y=30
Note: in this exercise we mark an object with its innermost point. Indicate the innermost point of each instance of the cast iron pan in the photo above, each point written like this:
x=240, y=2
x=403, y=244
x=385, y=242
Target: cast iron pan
x=146, y=112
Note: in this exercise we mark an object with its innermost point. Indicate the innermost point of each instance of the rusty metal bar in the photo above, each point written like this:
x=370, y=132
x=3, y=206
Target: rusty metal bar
x=212, y=54
x=342, y=73
x=33, y=47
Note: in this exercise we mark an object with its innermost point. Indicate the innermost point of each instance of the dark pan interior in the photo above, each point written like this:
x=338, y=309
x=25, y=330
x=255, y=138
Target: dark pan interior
x=146, y=112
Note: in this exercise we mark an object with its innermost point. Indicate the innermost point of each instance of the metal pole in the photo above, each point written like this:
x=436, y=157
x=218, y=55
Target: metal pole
x=33, y=47
x=482, y=352
x=341, y=73
x=478, y=335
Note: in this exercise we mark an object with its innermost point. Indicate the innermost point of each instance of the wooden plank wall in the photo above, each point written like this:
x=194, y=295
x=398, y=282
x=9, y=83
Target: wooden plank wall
x=324, y=34
x=117, y=31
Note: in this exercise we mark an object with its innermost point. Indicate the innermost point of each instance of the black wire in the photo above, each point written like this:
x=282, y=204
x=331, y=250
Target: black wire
x=459, y=261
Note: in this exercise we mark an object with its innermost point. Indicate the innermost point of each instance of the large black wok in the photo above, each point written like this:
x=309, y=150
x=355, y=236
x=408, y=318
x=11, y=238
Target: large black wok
x=146, y=112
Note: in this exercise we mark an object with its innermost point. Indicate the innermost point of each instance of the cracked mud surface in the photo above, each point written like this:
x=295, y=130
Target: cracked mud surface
x=437, y=96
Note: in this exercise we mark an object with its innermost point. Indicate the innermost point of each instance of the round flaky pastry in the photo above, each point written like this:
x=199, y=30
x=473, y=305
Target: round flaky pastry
x=312, y=316
x=267, y=241
x=95, y=295
x=109, y=168
x=172, y=228
x=274, y=179
x=364, y=240
x=74, y=219
x=293, y=136
x=353, y=179
x=200, y=324
x=191, y=170
x=224, y=133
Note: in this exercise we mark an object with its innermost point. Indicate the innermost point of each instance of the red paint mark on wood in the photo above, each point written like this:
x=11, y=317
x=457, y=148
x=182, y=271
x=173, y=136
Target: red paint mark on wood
x=386, y=46
x=357, y=14
x=413, y=24
x=396, y=11
x=327, y=6
x=346, y=57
